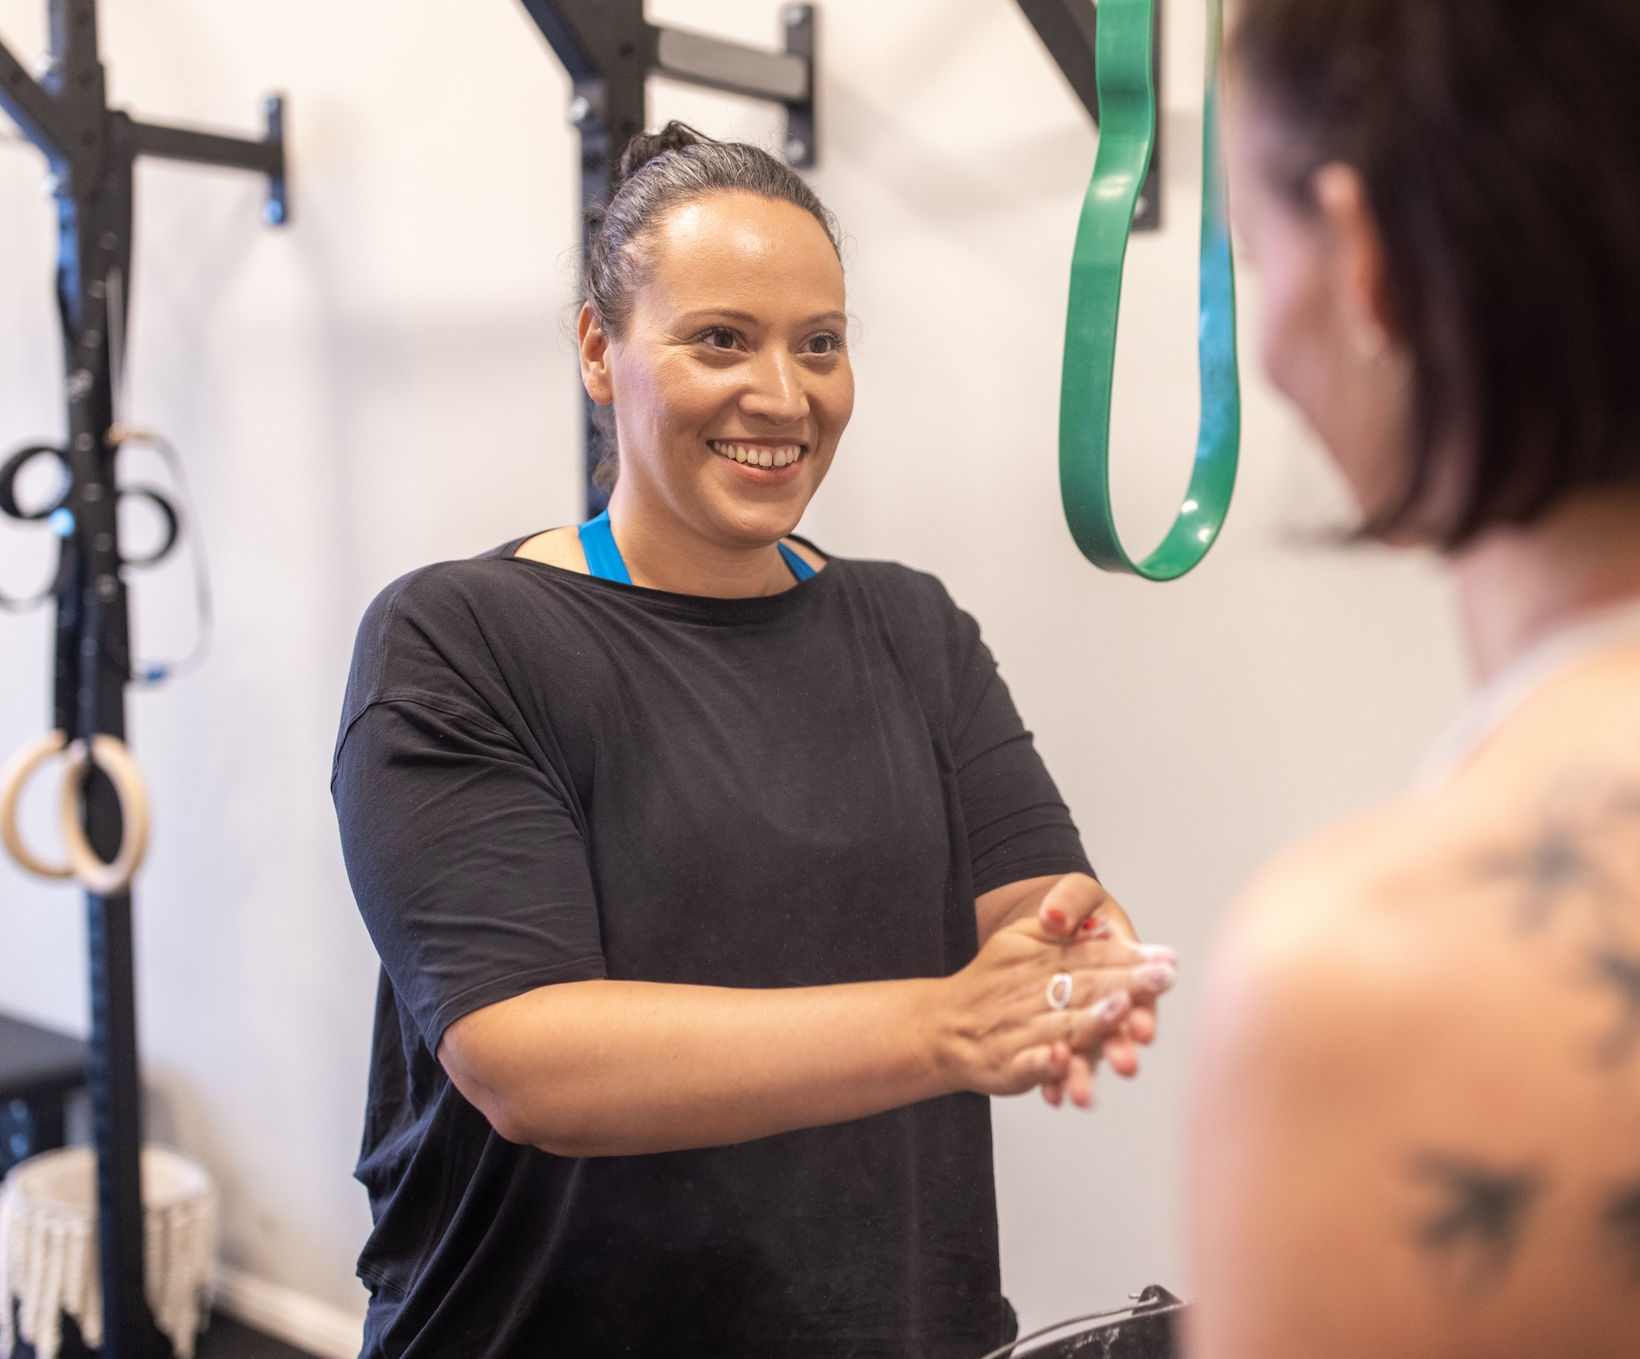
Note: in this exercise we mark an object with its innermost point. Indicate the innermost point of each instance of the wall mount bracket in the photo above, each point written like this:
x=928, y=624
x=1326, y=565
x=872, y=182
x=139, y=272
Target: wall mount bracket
x=1069, y=29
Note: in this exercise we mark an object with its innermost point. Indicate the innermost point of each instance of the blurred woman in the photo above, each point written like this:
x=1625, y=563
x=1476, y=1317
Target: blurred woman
x=1418, y=1131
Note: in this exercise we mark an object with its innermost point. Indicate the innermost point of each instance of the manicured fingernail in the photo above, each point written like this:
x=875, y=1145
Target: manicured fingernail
x=1158, y=953
x=1112, y=1007
x=1055, y=914
x=1096, y=927
x=1155, y=977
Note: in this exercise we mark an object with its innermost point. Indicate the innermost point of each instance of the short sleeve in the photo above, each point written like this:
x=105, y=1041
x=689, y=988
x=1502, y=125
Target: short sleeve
x=1018, y=825
x=466, y=859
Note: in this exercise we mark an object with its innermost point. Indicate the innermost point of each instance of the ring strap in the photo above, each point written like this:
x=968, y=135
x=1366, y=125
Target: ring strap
x=1127, y=136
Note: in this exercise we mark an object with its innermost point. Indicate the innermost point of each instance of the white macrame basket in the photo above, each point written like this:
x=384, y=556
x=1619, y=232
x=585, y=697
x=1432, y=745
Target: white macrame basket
x=48, y=1248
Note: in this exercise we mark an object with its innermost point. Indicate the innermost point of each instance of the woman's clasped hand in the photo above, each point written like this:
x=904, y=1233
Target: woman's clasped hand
x=1009, y=1027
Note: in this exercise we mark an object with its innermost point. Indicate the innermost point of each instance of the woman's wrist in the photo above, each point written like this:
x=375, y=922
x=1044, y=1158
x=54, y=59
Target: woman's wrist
x=945, y=1026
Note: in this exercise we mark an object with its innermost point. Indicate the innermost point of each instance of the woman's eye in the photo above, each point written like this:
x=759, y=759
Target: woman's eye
x=825, y=344
x=718, y=337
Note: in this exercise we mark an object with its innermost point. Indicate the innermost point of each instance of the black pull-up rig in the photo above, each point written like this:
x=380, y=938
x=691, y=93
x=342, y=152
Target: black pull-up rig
x=92, y=150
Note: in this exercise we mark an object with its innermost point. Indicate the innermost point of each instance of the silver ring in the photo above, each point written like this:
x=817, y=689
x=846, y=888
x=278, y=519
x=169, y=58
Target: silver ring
x=1059, y=990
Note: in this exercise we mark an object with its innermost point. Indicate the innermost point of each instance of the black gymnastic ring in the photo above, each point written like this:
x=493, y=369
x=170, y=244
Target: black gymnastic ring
x=14, y=465
x=173, y=525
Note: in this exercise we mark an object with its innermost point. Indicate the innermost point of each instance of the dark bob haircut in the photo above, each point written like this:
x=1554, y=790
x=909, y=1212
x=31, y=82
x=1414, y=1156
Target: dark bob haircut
x=1499, y=143
x=658, y=172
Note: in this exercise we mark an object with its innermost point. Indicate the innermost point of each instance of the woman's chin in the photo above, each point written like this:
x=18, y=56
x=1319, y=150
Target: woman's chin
x=760, y=522
x=763, y=502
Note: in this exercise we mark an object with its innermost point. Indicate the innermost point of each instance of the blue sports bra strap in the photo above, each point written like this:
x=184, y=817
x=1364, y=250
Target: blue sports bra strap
x=603, y=557
x=605, y=562
x=800, y=568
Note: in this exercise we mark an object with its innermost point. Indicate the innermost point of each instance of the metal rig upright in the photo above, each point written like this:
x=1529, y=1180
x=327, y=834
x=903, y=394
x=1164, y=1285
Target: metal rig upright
x=92, y=150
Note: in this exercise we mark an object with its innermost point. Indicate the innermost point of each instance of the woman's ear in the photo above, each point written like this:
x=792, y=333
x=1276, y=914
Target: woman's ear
x=594, y=345
x=1360, y=273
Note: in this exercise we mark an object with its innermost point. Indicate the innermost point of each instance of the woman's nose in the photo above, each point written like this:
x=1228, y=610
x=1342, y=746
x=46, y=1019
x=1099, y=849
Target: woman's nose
x=776, y=392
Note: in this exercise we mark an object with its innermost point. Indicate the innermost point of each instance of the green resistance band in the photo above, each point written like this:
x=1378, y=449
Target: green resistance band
x=1127, y=135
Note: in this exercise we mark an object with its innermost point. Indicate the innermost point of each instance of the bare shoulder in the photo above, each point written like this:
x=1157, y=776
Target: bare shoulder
x=1418, y=1120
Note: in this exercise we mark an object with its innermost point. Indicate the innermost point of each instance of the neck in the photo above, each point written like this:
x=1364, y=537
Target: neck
x=1517, y=586
x=664, y=553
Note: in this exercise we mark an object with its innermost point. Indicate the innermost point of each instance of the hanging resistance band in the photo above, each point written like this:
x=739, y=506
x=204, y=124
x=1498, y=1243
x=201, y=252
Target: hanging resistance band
x=604, y=559
x=1127, y=136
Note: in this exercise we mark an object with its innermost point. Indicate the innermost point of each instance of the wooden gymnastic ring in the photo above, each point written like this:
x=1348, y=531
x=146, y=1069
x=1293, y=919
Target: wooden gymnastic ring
x=13, y=779
x=110, y=755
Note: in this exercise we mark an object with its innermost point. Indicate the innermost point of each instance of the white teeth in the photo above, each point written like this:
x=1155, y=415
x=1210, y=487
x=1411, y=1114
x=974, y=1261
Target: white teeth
x=757, y=457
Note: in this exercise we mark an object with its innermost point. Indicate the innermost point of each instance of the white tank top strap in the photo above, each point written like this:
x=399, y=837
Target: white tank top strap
x=1493, y=704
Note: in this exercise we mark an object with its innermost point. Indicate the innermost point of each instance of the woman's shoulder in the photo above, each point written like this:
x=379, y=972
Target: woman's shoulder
x=906, y=592
x=439, y=620
x=1470, y=954
x=1421, y=1055
x=448, y=593
x=1333, y=927
x=1548, y=808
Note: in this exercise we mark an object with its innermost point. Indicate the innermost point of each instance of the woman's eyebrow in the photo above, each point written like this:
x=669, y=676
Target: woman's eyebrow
x=747, y=318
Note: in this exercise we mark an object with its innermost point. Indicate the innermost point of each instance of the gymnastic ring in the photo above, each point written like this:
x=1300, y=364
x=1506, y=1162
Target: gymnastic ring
x=13, y=779
x=113, y=757
x=173, y=525
x=9, y=471
x=1127, y=137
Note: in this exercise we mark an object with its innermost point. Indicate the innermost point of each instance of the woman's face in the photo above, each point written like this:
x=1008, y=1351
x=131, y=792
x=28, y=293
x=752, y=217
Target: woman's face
x=1328, y=343
x=731, y=384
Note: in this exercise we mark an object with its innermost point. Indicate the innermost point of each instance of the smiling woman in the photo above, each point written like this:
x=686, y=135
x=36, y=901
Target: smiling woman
x=716, y=881
x=715, y=335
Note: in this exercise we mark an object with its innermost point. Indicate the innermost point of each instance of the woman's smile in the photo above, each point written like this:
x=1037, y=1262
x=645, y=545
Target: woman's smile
x=758, y=454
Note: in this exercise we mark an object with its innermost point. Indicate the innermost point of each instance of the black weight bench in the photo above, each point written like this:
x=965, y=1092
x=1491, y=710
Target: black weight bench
x=39, y=1069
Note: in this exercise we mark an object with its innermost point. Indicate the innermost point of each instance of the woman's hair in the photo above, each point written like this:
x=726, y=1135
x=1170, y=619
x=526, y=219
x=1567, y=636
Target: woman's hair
x=657, y=173
x=1499, y=144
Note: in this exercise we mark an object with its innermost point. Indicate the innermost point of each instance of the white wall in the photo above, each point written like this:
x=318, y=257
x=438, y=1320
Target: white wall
x=387, y=382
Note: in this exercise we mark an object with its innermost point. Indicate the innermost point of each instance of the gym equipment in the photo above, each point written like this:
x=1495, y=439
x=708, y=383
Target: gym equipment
x=92, y=150
x=1145, y=1329
x=1127, y=101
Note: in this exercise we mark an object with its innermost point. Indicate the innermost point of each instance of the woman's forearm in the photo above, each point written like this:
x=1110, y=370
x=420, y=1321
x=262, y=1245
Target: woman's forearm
x=605, y=1068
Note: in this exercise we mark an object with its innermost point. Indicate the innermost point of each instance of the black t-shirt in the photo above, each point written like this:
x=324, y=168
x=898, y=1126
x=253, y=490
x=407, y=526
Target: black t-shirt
x=544, y=777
